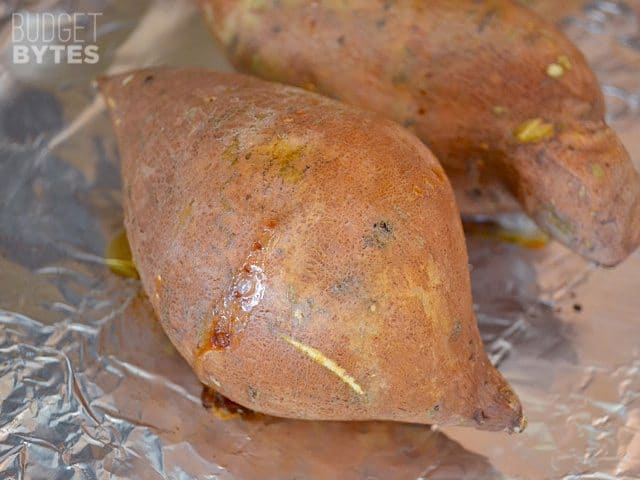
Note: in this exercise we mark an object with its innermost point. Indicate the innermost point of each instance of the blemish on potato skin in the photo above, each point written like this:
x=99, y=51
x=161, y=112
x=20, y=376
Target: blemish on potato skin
x=230, y=154
x=399, y=78
x=434, y=410
x=127, y=79
x=455, y=330
x=487, y=19
x=230, y=314
x=480, y=417
x=252, y=392
x=558, y=226
x=286, y=155
x=302, y=310
x=533, y=130
x=344, y=286
x=597, y=171
x=191, y=113
x=318, y=357
x=381, y=235
x=564, y=61
x=555, y=70
x=158, y=286
x=185, y=213
x=499, y=110
x=582, y=193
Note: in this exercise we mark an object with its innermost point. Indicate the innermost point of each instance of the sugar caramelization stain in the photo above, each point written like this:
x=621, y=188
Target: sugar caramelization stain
x=230, y=315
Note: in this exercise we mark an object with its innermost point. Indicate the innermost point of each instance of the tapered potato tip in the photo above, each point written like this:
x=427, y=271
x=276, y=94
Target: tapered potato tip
x=499, y=406
x=582, y=187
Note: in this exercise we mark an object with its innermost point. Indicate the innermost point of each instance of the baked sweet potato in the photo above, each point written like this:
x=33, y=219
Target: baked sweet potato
x=305, y=257
x=494, y=91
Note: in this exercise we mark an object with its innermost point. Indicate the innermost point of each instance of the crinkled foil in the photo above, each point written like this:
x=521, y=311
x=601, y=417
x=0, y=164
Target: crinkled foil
x=92, y=389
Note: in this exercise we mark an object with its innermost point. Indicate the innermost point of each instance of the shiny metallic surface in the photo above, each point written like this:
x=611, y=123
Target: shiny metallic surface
x=90, y=387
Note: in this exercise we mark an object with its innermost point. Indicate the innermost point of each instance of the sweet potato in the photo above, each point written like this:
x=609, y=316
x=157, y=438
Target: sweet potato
x=494, y=91
x=305, y=257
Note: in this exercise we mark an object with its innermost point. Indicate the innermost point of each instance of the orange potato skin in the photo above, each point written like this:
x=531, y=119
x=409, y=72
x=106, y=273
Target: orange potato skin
x=463, y=75
x=353, y=225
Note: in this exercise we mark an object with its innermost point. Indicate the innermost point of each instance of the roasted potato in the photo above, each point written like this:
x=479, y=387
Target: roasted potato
x=304, y=256
x=498, y=95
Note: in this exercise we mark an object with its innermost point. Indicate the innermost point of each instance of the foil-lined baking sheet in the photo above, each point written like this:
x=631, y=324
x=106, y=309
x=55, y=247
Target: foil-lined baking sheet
x=90, y=388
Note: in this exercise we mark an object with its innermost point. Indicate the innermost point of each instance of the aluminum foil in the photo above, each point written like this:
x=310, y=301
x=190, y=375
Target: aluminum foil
x=90, y=387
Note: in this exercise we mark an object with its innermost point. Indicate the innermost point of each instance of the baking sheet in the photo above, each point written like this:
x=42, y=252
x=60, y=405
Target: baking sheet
x=90, y=388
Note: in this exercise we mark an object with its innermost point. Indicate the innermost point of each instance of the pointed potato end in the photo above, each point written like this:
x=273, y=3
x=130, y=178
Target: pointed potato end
x=499, y=407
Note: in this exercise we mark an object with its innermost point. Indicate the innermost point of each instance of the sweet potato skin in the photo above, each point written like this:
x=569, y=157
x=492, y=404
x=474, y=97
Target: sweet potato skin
x=467, y=77
x=263, y=218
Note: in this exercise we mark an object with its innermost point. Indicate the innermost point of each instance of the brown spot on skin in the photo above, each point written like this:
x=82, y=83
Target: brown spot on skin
x=486, y=19
x=480, y=417
x=344, y=286
x=381, y=235
x=252, y=393
x=455, y=330
x=399, y=78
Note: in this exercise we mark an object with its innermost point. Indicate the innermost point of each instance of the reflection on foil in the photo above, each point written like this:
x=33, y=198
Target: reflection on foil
x=90, y=386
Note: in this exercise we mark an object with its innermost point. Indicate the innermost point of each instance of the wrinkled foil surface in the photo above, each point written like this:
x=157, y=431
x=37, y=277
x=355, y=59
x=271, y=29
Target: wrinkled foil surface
x=90, y=388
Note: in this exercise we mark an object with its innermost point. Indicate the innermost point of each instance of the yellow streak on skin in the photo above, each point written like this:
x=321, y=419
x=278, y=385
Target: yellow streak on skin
x=318, y=357
x=421, y=294
x=564, y=61
x=127, y=79
x=533, y=131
